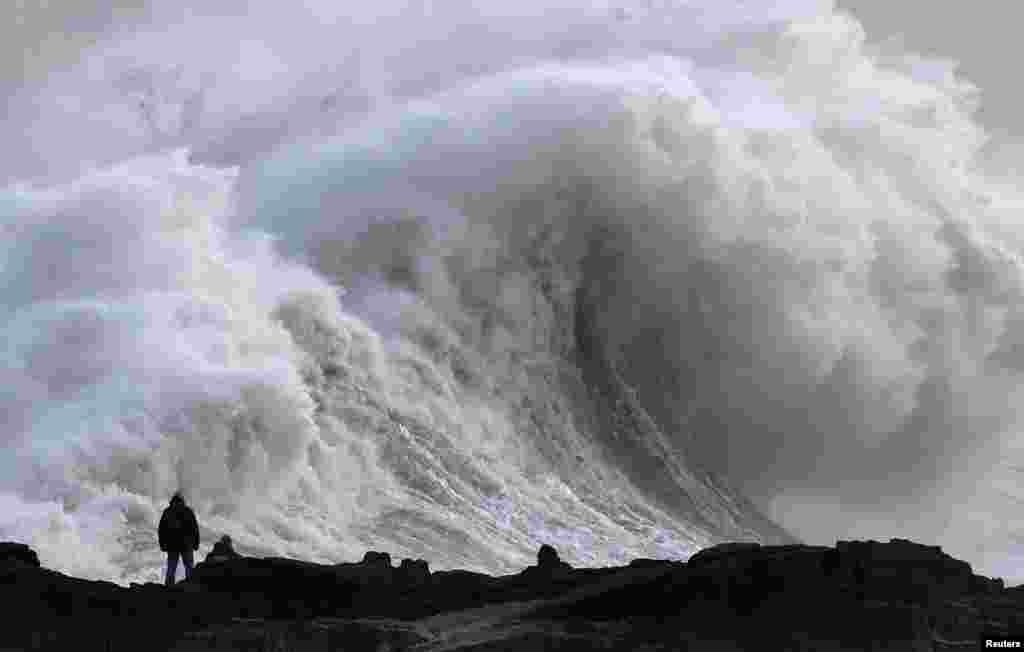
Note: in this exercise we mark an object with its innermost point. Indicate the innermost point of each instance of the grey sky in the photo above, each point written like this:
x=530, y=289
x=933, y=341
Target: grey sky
x=984, y=36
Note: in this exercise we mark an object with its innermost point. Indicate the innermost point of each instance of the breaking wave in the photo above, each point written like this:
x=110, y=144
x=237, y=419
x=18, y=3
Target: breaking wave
x=627, y=281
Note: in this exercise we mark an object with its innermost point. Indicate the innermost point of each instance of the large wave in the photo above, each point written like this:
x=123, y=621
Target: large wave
x=456, y=281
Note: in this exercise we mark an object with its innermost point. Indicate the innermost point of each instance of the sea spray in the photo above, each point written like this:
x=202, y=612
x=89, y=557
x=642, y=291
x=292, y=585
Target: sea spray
x=589, y=285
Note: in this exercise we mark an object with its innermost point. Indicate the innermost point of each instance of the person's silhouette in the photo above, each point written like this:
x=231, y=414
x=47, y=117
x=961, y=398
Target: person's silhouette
x=179, y=536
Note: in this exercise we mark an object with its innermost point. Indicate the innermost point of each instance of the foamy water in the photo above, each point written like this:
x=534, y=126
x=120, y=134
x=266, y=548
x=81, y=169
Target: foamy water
x=456, y=281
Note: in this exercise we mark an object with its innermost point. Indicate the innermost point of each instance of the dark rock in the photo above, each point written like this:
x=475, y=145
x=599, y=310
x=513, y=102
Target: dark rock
x=722, y=552
x=988, y=585
x=902, y=568
x=549, y=568
x=222, y=551
x=413, y=572
x=547, y=559
x=373, y=573
x=863, y=595
x=19, y=553
x=376, y=559
x=649, y=563
x=268, y=587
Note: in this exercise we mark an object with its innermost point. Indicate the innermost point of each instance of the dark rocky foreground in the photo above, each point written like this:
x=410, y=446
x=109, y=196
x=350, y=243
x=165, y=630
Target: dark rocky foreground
x=857, y=596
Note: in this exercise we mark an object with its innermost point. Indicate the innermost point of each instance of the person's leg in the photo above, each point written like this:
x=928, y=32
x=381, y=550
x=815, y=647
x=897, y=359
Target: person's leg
x=186, y=557
x=172, y=567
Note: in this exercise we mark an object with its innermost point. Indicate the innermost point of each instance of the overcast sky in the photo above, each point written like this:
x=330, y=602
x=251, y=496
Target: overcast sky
x=983, y=35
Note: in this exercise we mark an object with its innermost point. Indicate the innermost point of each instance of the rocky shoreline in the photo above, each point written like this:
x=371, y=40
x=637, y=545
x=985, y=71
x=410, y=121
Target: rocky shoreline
x=858, y=595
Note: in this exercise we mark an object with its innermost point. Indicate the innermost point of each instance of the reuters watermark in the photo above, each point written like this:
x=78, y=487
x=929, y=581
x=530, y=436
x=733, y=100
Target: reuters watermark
x=1001, y=643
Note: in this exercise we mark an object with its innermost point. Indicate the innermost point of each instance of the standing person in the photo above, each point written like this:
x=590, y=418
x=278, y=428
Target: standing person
x=179, y=535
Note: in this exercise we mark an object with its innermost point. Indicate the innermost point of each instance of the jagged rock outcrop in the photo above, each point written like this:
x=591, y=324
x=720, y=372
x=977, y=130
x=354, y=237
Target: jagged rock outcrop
x=548, y=559
x=377, y=560
x=862, y=595
x=413, y=572
x=223, y=550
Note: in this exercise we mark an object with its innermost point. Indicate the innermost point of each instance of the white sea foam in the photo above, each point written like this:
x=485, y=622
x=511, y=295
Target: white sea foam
x=343, y=300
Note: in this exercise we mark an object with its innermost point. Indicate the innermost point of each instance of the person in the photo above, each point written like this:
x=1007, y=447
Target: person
x=179, y=536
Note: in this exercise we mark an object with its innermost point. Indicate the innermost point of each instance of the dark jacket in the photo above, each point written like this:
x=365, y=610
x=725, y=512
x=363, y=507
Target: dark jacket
x=186, y=535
